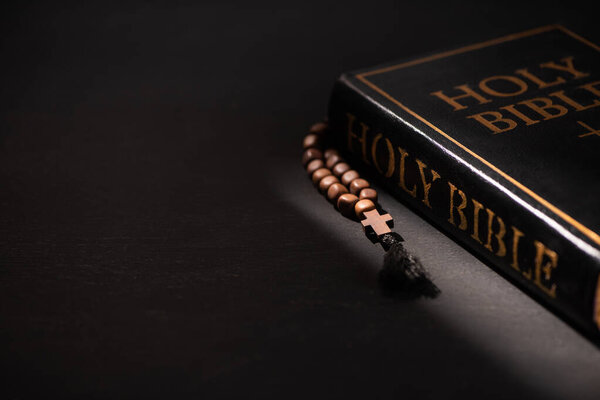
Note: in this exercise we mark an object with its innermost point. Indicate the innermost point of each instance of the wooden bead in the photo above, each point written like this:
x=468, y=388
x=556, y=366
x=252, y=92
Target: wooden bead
x=368, y=193
x=345, y=203
x=357, y=185
x=333, y=160
x=349, y=176
x=314, y=165
x=335, y=191
x=326, y=182
x=363, y=205
x=329, y=152
x=340, y=168
x=311, y=154
x=311, y=140
x=319, y=128
x=320, y=174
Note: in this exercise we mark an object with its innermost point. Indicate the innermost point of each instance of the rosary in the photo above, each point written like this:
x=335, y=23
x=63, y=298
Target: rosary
x=402, y=274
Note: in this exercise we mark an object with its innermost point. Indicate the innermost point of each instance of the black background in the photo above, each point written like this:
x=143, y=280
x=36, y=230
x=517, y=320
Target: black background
x=159, y=237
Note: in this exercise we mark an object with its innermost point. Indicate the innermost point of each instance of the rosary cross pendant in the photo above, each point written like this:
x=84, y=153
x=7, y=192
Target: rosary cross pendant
x=378, y=222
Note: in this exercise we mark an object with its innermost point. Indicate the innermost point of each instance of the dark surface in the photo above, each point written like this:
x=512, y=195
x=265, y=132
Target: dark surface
x=160, y=239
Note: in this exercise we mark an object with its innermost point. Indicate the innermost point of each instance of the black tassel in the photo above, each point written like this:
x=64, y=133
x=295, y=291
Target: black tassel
x=403, y=274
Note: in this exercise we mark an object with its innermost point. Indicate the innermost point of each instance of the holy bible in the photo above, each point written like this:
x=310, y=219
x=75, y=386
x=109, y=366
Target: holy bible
x=497, y=144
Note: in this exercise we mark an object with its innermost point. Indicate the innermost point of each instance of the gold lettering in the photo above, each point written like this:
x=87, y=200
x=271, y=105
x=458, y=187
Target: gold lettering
x=353, y=136
x=511, y=109
x=477, y=206
x=568, y=67
x=545, y=268
x=491, y=123
x=578, y=107
x=546, y=104
x=467, y=92
x=590, y=87
x=391, y=158
x=499, y=235
x=402, y=183
x=541, y=84
x=459, y=209
x=483, y=85
x=426, y=186
x=517, y=234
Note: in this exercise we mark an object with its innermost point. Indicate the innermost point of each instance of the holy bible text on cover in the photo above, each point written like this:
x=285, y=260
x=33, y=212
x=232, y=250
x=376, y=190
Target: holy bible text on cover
x=498, y=144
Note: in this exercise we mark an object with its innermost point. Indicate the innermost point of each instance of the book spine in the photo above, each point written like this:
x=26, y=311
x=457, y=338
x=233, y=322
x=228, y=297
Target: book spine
x=511, y=233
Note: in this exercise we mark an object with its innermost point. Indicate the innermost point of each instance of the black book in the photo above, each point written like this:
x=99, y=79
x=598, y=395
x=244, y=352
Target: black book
x=498, y=144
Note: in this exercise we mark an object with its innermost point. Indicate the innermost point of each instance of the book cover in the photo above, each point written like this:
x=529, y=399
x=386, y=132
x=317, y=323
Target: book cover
x=496, y=143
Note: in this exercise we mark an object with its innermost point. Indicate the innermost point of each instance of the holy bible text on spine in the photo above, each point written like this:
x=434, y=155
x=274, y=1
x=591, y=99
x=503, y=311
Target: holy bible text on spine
x=498, y=144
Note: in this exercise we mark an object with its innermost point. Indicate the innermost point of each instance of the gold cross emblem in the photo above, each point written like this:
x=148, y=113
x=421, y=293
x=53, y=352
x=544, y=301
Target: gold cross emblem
x=591, y=131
